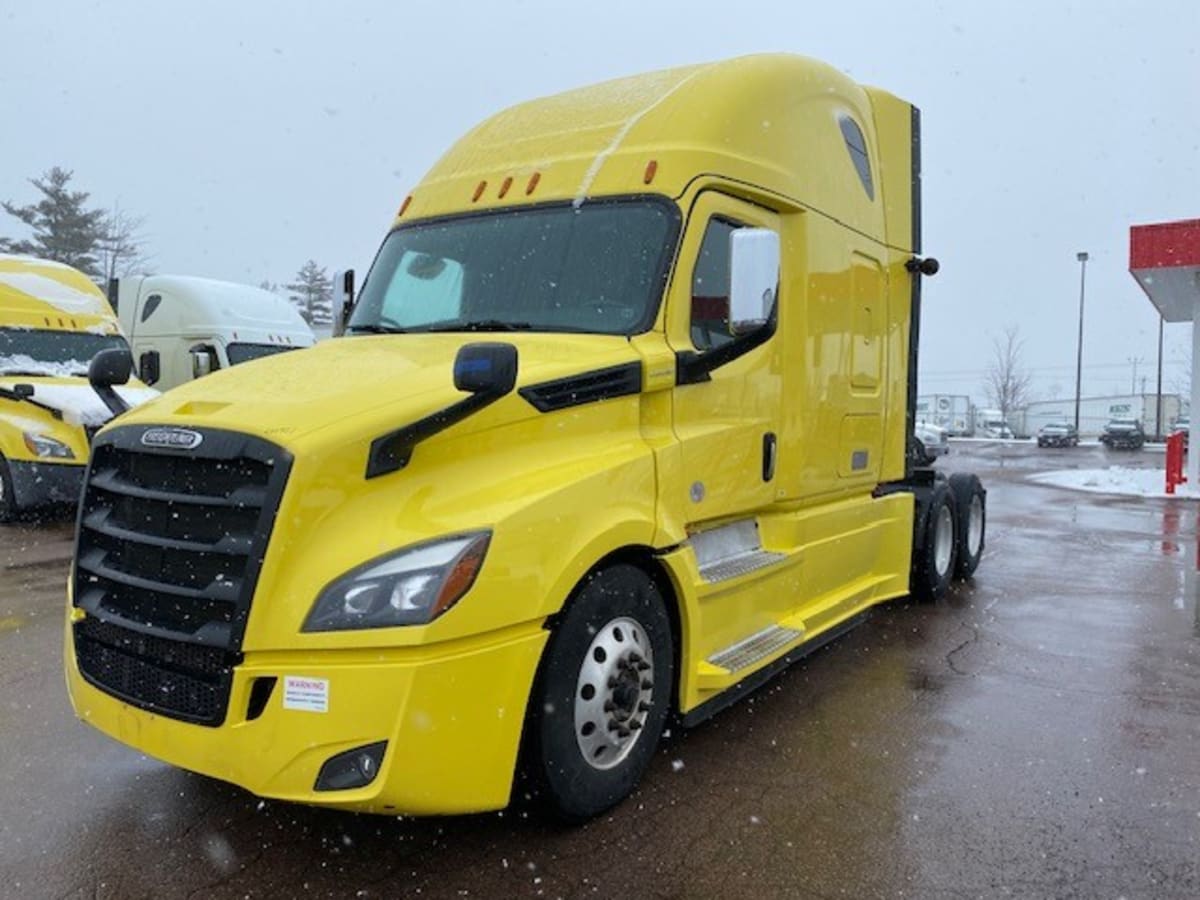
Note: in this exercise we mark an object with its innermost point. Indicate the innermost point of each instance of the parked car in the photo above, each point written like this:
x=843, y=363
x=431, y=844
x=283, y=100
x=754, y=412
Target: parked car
x=931, y=442
x=1123, y=434
x=1058, y=434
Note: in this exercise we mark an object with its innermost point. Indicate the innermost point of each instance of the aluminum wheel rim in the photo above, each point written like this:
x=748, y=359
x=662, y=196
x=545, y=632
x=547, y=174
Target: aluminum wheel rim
x=943, y=540
x=975, y=525
x=614, y=693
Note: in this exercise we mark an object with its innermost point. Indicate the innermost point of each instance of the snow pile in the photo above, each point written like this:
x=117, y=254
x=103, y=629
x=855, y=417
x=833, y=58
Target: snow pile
x=1113, y=480
x=20, y=362
x=62, y=297
x=80, y=405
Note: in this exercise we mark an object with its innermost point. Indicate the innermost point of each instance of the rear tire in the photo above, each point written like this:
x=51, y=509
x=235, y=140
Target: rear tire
x=933, y=565
x=970, y=500
x=603, y=694
x=8, y=499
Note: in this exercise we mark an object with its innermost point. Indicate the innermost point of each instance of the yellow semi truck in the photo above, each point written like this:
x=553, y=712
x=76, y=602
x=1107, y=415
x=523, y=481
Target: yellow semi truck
x=619, y=428
x=53, y=320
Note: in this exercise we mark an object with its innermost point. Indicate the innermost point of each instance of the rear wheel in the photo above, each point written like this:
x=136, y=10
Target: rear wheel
x=603, y=693
x=933, y=566
x=970, y=500
x=8, y=500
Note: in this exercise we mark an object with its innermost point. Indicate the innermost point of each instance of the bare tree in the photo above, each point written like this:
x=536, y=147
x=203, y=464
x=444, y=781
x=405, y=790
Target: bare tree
x=120, y=249
x=1007, y=381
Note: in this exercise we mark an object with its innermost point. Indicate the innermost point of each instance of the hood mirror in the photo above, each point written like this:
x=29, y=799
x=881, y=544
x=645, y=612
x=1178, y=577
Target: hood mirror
x=486, y=368
x=108, y=368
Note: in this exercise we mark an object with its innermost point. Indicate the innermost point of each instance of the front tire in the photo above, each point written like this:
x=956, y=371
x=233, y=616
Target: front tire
x=603, y=693
x=8, y=499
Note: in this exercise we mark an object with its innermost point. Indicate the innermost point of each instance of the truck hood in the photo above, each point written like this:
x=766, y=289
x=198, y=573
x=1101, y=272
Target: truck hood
x=74, y=398
x=393, y=379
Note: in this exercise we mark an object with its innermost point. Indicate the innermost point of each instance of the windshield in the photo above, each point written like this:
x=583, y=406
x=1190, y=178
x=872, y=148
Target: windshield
x=597, y=268
x=240, y=353
x=32, y=351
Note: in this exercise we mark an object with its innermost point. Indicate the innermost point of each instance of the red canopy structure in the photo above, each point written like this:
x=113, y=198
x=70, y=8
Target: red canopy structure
x=1164, y=259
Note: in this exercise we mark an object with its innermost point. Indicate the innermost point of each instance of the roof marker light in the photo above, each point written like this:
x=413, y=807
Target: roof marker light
x=651, y=168
x=480, y=188
x=505, y=186
x=404, y=205
x=533, y=183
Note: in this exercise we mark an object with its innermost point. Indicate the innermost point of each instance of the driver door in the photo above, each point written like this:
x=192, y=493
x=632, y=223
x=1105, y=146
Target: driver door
x=728, y=424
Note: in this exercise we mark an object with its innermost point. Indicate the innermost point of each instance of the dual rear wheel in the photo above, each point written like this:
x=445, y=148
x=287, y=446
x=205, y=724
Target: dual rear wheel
x=950, y=537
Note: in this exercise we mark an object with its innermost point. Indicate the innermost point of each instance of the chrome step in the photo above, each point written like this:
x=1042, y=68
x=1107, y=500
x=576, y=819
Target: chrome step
x=731, y=550
x=758, y=646
x=733, y=566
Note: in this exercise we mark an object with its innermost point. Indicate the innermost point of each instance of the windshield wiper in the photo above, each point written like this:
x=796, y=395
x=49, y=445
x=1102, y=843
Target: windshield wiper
x=371, y=328
x=478, y=325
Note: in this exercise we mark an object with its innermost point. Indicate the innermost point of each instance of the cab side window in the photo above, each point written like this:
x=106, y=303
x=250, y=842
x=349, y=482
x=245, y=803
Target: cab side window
x=710, y=287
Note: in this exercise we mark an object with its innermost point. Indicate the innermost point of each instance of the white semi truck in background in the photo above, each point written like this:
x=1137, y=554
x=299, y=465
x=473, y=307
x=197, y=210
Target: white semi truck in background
x=181, y=327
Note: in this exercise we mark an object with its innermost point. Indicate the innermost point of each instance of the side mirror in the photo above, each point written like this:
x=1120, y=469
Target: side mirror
x=343, y=299
x=148, y=367
x=753, y=277
x=204, y=361
x=108, y=368
x=486, y=369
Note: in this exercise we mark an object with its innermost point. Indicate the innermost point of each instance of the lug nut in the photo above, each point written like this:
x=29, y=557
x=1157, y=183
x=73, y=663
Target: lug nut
x=635, y=726
x=647, y=684
x=643, y=706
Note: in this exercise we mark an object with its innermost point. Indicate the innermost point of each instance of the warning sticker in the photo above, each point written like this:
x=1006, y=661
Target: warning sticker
x=310, y=694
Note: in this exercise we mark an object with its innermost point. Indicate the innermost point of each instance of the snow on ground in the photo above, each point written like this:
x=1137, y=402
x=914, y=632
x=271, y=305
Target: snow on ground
x=1113, y=480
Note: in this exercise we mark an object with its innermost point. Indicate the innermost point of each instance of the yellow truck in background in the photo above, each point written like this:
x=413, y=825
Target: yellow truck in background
x=620, y=427
x=53, y=320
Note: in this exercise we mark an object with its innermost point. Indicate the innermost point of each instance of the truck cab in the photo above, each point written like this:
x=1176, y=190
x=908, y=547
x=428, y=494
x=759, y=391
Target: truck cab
x=182, y=327
x=53, y=320
x=619, y=428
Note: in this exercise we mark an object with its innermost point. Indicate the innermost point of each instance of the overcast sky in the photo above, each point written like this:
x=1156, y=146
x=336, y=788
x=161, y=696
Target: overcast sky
x=253, y=136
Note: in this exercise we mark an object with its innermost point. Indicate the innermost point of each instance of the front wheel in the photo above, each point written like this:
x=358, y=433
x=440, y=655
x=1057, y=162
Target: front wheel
x=603, y=693
x=8, y=499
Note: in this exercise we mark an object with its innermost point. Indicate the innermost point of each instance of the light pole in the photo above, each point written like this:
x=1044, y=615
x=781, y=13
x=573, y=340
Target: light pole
x=1083, y=258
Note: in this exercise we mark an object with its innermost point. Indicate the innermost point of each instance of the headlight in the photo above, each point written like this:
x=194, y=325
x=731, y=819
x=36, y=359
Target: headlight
x=411, y=587
x=46, y=447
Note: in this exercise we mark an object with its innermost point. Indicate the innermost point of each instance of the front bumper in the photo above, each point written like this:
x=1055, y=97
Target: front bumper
x=40, y=483
x=452, y=718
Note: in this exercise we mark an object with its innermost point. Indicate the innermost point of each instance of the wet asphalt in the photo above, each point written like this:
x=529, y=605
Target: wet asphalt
x=1036, y=734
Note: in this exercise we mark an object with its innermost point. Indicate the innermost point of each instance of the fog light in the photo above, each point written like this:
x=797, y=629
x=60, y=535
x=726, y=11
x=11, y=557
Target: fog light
x=353, y=769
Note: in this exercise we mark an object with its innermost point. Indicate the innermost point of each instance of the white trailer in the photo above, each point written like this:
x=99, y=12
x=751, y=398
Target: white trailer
x=181, y=327
x=1094, y=412
x=953, y=412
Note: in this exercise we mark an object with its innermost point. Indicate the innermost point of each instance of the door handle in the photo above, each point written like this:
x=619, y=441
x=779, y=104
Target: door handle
x=769, y=450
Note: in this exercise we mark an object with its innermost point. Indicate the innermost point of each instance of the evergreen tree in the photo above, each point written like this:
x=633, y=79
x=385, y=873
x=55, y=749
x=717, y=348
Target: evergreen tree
x=64, y=228
x=312, y=293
